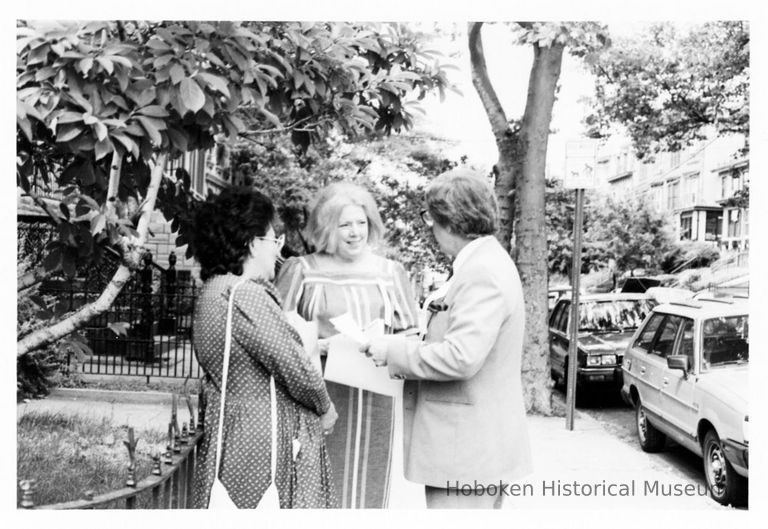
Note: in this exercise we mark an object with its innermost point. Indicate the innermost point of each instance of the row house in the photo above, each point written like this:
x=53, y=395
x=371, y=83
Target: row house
x=694, y=186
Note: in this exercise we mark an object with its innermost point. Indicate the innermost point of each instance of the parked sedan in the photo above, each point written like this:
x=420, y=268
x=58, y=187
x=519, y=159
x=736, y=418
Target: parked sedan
x=606, y=322
x=686, y=373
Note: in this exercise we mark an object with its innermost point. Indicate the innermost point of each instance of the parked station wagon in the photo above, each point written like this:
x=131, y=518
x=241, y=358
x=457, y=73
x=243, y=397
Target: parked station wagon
x=686, y=373
x=606, y=323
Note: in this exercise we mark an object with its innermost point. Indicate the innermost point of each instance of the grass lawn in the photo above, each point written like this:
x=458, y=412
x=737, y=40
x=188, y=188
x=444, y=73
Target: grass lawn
x=70, y=454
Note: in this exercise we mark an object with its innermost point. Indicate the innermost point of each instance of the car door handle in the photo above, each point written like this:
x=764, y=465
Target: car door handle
x=666, y=381
x=642, y=370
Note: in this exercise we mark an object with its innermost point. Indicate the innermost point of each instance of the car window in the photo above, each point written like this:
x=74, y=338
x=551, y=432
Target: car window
x=685, y=347
x=613, y=315
x=665, y=343
x=555, y=315
x=562, y=321
x=725, y=341
x=645, y=340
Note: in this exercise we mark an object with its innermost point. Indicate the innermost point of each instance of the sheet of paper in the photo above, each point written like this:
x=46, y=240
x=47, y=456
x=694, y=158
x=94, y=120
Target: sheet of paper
x=347, y=365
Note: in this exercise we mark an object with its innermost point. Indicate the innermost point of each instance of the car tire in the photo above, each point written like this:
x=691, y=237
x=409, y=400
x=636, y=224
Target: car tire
x=651, y=439
x=725, y=485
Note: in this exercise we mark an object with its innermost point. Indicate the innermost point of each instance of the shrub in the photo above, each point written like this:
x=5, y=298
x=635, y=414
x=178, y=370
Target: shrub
x=700, y=254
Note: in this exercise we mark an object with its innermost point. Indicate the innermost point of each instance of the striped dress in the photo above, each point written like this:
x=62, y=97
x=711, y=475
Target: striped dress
x=363, y=453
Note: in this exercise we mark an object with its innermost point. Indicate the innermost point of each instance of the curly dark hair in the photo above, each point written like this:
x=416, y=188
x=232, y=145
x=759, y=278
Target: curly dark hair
x=225, y=225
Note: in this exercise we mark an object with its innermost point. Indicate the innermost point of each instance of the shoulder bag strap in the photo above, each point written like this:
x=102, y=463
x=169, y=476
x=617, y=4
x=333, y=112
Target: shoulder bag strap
x=224, y=373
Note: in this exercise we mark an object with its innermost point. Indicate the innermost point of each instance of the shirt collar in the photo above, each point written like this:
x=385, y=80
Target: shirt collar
x=465, y=252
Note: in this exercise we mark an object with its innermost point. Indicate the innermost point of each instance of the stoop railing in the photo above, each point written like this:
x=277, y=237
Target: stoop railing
x=169, y=485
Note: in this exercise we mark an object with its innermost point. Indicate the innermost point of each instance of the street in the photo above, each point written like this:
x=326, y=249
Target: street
x=606, y=406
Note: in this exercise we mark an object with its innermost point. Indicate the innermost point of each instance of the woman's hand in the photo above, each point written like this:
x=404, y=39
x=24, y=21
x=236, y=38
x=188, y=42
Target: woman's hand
x=328, y=419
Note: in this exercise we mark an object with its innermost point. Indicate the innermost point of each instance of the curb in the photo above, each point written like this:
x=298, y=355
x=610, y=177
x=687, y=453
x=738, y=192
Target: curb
x=114, y=396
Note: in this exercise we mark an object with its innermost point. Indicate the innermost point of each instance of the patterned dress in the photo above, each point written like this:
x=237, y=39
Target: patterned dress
x=363, y=454
x=263, y=343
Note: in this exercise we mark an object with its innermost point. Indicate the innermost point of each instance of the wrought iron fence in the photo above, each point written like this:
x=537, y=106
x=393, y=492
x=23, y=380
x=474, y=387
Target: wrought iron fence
x=169, y=489
x=153, y=314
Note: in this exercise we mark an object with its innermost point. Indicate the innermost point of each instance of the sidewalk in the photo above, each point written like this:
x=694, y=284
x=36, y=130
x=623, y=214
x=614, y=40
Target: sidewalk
x=587, y=468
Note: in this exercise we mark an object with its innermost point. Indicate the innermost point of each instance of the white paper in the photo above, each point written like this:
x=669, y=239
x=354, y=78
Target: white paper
x=347, y=365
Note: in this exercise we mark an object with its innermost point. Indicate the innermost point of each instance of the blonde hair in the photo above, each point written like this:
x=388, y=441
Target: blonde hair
x=326, y=210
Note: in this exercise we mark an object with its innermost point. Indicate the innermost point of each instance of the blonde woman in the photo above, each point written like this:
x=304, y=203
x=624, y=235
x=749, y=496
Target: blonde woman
x=344, y=275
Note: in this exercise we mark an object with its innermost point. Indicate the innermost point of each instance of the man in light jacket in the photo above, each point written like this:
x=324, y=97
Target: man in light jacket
x=465, y=432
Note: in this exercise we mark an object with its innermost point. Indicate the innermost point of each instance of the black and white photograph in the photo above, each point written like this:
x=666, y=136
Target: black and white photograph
x=420, y=261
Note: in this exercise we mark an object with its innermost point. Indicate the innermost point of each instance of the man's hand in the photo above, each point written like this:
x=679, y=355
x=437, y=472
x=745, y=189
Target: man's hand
x=376, y=350
x=328, y=419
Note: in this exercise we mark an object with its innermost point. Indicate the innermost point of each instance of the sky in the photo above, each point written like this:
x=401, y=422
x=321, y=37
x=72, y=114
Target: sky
x=462, y=118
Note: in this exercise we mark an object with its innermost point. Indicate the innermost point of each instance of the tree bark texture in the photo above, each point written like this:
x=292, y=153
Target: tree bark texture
x=520, y=188
x=530, y=226
x=43, y=337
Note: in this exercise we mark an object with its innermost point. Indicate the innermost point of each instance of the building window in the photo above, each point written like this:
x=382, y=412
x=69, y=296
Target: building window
x=656, y=196
x=734, y=223
x=686, y=225
x=691, y=190
x=673, y=197
x=674, y=160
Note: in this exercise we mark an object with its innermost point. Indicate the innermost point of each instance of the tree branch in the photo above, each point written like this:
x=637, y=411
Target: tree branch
x=47, y=336
x=482, y=83
x=114, y=181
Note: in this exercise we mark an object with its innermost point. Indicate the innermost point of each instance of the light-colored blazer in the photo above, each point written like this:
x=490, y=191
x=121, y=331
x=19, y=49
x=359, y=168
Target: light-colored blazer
x=463, y=401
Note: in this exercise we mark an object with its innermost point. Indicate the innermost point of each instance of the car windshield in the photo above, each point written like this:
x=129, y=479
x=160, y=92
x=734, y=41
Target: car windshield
x=725, y=341
x=613, y=315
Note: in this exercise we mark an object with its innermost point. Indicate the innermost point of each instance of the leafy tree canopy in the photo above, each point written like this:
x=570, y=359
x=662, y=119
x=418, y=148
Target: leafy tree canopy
x=88, y=92
x=102, y=105
x=628, y=230
x=667, y=87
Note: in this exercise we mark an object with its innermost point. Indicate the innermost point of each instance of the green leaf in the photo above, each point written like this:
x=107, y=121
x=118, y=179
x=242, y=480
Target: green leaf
x=103, y=148
x=192, y=96
x=85, y=65
x=70, y=117
x=130, y=145
x=98, y=223
x=68, y=133
x=52, y=261
x=120, y=328
x=178, y=139
x=177, y=73
x=215, y=82
x=153, y=132
x=153, y=111
x=156, y=44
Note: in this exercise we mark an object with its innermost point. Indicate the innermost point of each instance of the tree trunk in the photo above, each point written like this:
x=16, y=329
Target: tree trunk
x=46, y=336
x=506, y=138
x=530, y=228
x=520, y=181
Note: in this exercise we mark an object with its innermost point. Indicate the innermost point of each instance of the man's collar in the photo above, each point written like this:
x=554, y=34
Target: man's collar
x=465, y=252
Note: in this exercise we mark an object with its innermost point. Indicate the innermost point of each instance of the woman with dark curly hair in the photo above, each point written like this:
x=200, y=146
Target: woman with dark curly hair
x=234, y=242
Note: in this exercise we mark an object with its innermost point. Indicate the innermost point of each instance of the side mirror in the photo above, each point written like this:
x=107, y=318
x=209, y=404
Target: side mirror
x=678, y=362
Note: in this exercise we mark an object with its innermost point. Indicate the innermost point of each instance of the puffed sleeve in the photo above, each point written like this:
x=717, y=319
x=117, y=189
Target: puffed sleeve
x=289, y=282
x=406, y=312
x=259, y=326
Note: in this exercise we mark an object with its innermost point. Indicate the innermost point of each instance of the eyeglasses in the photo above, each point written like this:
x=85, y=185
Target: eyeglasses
x=279, y=241
x=427, y=218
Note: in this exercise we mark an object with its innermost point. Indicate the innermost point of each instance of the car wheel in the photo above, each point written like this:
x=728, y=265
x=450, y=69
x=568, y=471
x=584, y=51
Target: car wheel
x=651, y=439
x=724, y=484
